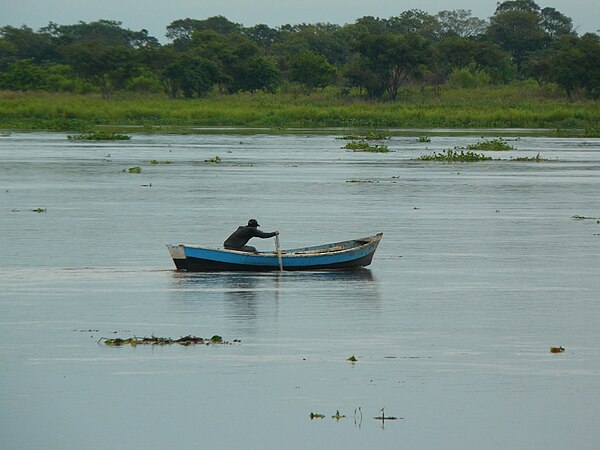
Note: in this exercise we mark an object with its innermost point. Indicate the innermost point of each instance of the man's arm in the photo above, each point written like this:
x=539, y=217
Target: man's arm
x=262, y=234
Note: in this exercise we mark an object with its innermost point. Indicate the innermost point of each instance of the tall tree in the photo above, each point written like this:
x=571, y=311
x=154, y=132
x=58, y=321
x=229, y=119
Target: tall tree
x=312, y=70
x=108, y=67
x=461, y=23
x=516, y=27
x=392, y=60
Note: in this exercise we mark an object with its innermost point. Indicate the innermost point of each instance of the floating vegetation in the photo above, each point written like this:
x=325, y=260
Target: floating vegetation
x=577, y=217
x=155, y=340
x=557, y=349
x=455, y=156
x=40, y=210
x=135, y=169
x=337, y=415
x=536, y=158
x=155, y=162
x=364, y=146
x=360, y=181
x=352, y=359
x=316, y=416
x=369, y=136
x=214, y=160
x=99, y=136
x=493, y=144
x=424, y=139
x=383, y=417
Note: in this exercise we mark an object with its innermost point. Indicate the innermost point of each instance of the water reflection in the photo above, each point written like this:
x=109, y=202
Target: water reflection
x=245, y=295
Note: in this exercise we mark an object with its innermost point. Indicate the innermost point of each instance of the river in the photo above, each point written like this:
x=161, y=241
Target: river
x=482, y=268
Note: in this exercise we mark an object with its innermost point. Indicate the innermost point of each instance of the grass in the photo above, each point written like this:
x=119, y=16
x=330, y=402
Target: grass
x=521, y=105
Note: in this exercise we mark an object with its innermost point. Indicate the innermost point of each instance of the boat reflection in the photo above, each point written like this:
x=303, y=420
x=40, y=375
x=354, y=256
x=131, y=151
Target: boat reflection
x=248, y=295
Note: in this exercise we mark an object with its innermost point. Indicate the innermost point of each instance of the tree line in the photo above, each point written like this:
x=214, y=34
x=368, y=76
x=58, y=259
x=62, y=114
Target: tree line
x=374, y=56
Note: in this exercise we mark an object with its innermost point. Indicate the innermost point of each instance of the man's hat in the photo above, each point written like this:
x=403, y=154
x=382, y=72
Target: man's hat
x=253, y=223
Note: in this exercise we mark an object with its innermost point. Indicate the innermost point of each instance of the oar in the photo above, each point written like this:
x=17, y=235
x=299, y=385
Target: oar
x=278, y=248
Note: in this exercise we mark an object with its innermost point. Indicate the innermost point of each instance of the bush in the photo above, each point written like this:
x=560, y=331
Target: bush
x=468, y=77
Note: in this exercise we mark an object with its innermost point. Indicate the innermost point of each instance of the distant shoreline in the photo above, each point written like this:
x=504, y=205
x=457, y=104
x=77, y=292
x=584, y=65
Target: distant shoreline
x=502, y=110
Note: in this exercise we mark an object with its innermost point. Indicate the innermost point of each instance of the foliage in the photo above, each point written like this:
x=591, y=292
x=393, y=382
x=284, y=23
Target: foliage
x=23, y=75
x=424, y=139
x=492, y=144
x=135, y=169
x=388, y=61
x=536, y=158
x=468, y=77
x=99, y=136
x=311, y=70
x=381, y=57
x=364, y=146
x=156, y=340
x=371, y=135
x=455, y=156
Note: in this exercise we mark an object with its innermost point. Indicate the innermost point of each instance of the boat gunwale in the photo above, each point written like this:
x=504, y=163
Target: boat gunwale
x=295, y=253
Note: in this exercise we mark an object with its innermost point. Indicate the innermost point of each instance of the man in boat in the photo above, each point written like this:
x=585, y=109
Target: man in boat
x=239, y=238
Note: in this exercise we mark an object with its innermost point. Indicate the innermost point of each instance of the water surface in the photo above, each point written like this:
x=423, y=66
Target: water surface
x=481, y=270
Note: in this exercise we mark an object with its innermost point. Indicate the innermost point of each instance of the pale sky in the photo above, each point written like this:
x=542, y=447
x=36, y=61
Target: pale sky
x=155, y=15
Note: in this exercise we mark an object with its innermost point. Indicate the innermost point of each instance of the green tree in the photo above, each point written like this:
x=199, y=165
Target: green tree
x=392, y=60
x=262, y=35
x=181, y=31
x=572, y=63
x=107, y=32
x=519, y=32
x=460, y=23
x=457, y=53
x=107, y=67
x=555, y=24
x=414, y=21
x=23, y=75
x=312, y=70
x=241, y=61
x=24, y=43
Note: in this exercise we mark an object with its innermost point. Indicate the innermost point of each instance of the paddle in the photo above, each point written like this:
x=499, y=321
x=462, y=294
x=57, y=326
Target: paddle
x=278, y=248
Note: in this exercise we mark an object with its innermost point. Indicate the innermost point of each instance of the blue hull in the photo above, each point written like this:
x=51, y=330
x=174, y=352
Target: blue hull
x=337, y=256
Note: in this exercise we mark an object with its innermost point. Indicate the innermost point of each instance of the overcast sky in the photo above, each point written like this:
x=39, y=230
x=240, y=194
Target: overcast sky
x=155, y=15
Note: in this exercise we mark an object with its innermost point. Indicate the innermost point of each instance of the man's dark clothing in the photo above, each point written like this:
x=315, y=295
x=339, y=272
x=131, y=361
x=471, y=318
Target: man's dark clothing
x=239, y=238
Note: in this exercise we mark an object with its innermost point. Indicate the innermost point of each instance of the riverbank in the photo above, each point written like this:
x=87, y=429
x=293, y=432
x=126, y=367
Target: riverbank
x=522, y=105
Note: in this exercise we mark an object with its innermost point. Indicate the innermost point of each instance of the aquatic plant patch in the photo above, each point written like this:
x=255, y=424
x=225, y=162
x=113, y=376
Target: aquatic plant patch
x=364, y=146
x=155, y=340
x=492, y=144
x=536, y=158
x=369, y=136
x=455, y=156
x=99, y=136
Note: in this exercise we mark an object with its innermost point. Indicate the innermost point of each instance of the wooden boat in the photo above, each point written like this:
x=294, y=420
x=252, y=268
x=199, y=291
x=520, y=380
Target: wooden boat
x=339, y=255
